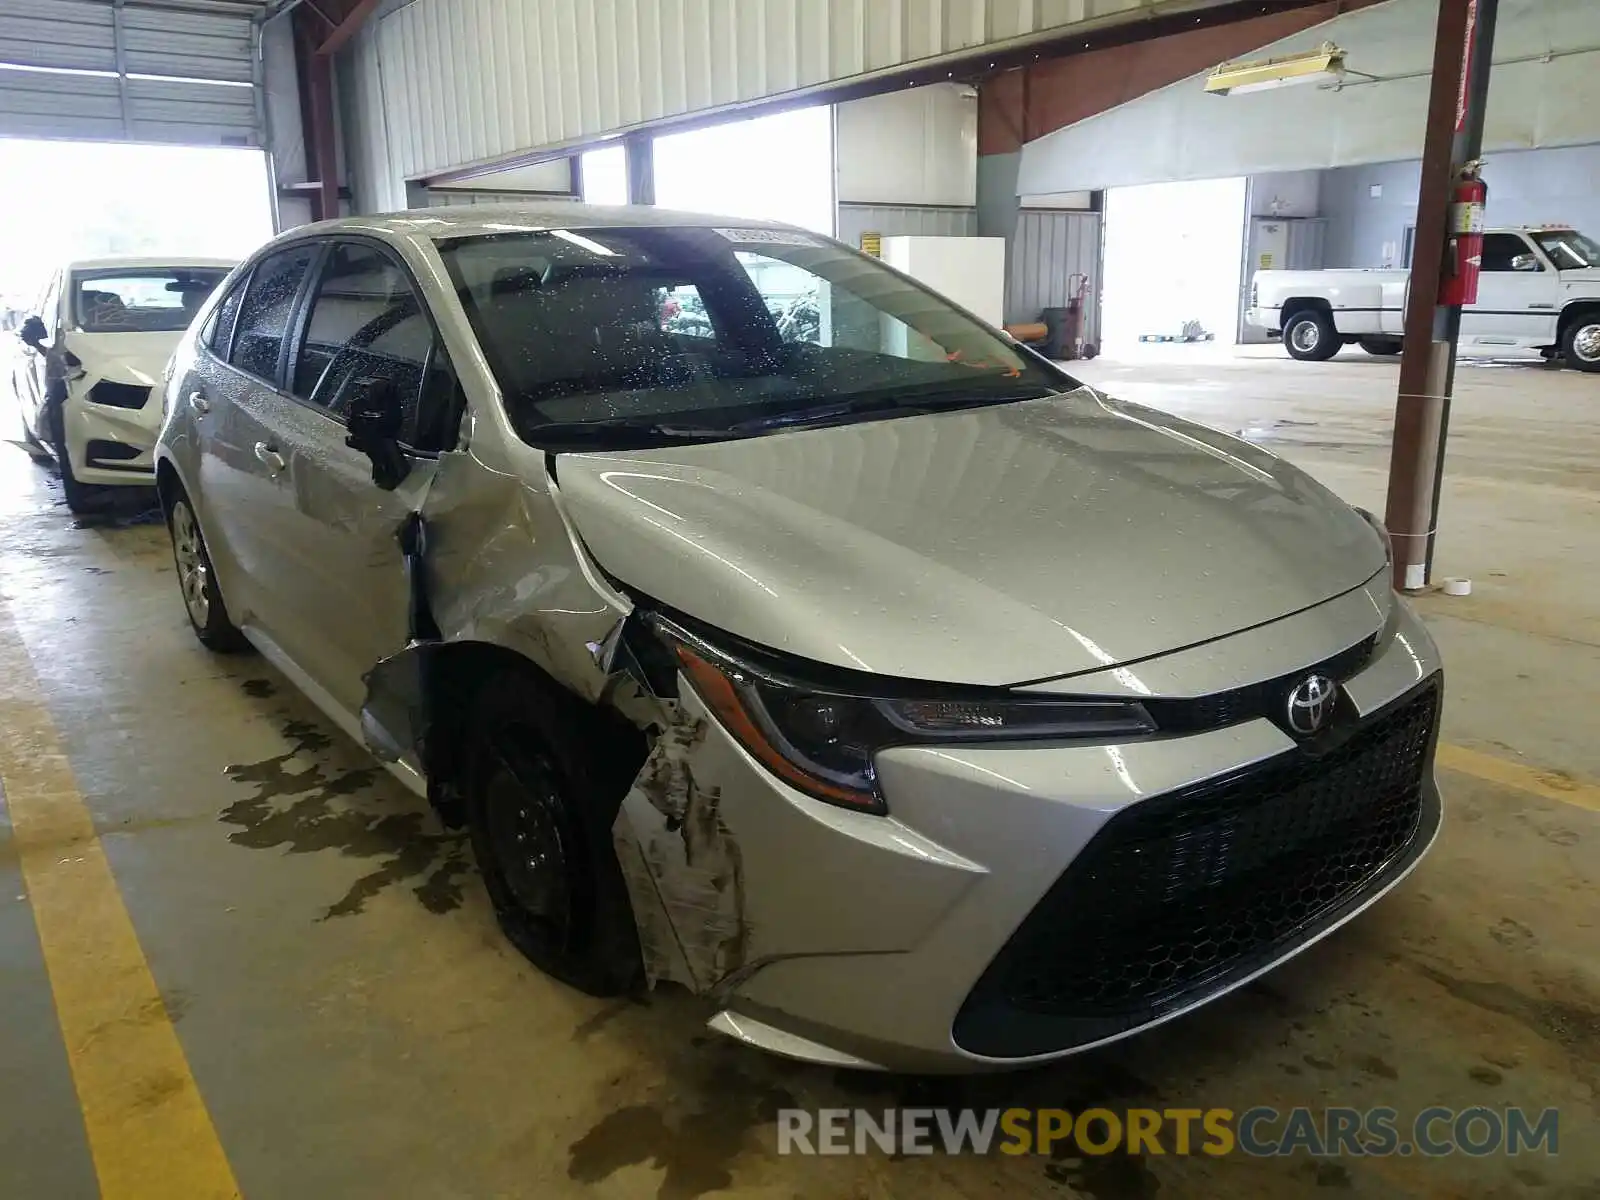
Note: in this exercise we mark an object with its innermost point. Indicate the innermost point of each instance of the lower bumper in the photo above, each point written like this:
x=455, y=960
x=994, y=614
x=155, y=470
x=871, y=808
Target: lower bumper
x=111, y=447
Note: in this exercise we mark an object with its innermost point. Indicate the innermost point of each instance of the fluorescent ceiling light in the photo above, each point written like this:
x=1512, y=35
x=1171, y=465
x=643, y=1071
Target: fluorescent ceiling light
x=1323, y=65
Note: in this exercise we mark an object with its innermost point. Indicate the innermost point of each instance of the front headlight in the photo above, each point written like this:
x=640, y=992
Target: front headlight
x=822, y=740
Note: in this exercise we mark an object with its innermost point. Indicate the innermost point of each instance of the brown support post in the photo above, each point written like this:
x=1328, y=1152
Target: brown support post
x=324, y=145
x=316, y=112
x=1463, y=43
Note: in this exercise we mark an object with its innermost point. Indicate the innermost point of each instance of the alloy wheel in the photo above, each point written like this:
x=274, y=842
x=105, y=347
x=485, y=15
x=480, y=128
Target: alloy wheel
x=194, y=577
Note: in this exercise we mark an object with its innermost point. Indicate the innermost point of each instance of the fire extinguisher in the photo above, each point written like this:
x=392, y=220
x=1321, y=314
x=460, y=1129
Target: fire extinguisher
x=1458, y=283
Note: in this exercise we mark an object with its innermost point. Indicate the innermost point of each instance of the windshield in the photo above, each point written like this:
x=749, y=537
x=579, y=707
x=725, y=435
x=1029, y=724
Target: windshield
x=1569, y=249
x=639, y=336
x=148, y=300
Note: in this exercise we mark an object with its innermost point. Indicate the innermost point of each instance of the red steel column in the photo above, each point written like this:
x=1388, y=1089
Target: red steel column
x=1463, y=45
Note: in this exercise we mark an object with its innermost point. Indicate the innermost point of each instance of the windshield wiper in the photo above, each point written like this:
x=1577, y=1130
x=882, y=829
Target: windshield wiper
x=640, y=431
x=897, y=401
x=626, y=429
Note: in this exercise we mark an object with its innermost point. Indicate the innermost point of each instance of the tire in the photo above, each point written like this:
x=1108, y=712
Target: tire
x=1309, y=335
x=1580, y=342
x=197, y=583
x=1379, y=346
x=541, y=798
x=82, y=498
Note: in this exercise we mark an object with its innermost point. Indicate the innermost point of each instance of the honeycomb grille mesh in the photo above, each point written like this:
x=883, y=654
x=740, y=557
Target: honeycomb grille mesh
x=1178, y=889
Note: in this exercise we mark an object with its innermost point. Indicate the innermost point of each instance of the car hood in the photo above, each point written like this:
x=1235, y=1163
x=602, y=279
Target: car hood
x=136, y=358
x=993, y=546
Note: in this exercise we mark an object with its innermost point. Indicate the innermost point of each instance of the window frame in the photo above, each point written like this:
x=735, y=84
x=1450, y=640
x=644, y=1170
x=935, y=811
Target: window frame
x=1529, y=247
x=208, y=334
x=300, y=325
x=246, y=280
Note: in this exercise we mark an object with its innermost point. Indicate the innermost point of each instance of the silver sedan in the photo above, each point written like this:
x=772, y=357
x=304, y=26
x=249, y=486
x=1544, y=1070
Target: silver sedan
x=916, y=705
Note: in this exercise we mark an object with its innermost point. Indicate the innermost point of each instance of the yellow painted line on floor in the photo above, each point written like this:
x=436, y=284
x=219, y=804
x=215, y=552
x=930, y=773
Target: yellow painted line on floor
x=1551, y=785
x=149, y=1131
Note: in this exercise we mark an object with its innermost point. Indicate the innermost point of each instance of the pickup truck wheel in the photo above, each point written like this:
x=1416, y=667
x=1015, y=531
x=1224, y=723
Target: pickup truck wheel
x=1309, y=335
x=1580, y=344
x=1379, y=346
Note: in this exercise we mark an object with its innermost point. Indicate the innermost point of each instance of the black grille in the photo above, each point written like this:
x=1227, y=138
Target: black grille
x=114, y=451
x=1181, y=892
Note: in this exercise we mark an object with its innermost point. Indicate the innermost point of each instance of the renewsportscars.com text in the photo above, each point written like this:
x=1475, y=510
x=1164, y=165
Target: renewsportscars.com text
x=1259, y=1131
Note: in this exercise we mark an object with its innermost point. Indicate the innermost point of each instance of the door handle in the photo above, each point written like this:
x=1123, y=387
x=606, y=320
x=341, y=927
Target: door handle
x=198, y=402
x=273, y=460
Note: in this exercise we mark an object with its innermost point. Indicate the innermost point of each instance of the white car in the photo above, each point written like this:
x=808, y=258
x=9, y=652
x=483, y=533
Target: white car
x=94, y=352
x=1539, y=289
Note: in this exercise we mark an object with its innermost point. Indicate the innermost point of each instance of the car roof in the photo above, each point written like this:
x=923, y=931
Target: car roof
x=476, y=220
x=143, y=262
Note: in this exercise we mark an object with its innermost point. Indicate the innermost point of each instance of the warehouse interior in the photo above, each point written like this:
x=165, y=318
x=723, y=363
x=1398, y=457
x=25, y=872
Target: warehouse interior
x=240, y=958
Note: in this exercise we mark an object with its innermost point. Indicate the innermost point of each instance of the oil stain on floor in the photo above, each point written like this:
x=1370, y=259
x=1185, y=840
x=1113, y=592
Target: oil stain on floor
x=695, y=1149
x=300, y=805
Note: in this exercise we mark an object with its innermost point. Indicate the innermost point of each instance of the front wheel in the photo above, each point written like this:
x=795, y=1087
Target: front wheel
x=81, y=497
x=1309, y=335
x=1380, y=346
x=198, y=583
x=540, y=804
x=1580, y=344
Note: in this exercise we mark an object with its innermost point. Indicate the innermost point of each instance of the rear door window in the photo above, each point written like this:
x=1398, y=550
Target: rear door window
x=367, y=322
x=220, y=336
x=268, y=305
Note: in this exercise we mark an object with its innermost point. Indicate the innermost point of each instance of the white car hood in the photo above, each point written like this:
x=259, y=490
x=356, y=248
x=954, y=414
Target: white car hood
x=136, y=358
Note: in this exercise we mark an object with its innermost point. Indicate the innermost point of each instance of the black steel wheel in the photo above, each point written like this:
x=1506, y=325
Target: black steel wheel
x=540, y=806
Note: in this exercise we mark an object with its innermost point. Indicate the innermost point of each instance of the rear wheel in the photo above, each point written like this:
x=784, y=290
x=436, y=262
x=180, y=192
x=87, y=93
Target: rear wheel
x=1580, y=344
x=1309, y=335
x=540, y=803
x=1380, y=346
x=198, y=583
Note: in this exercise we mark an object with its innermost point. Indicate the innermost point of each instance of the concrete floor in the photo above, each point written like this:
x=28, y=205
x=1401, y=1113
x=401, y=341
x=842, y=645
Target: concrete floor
x=357, y=1027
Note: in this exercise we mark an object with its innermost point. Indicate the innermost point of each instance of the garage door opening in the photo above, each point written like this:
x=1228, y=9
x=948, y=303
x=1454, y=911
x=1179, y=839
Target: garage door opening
x=777, y=168
x=1173, y=254
x=67, y=200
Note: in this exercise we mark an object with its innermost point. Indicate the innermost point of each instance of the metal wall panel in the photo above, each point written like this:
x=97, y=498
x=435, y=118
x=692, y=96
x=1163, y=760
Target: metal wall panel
x=1048, y=249
x=197, y=51
x=449, y=197
x=894, y=220
x=468, y=81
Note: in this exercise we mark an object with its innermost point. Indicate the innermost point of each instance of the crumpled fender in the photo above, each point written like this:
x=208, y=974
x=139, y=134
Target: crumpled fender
x=492, y=559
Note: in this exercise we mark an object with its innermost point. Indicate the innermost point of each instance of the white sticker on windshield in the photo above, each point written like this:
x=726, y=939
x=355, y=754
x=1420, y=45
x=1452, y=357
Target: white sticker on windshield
x=772, y=237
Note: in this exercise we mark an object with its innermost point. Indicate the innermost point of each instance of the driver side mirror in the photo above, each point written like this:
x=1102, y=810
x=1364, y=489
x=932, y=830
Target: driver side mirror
x=33, y=333
x=374, y=420
x=1524, y=262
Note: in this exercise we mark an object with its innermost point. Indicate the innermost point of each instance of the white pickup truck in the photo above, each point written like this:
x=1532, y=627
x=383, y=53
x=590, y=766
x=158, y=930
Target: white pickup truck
x=1539, y=289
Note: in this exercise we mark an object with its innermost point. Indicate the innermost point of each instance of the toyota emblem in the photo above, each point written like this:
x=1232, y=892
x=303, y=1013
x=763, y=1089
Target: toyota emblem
x=1311, y=704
